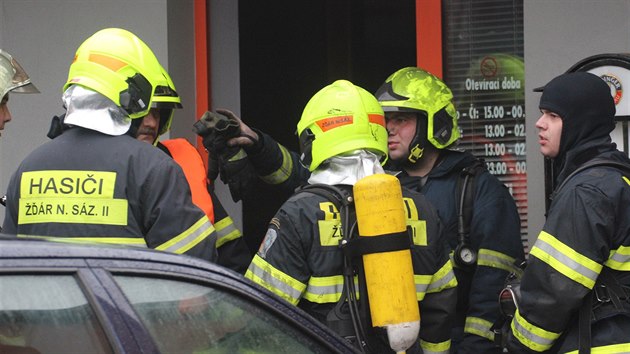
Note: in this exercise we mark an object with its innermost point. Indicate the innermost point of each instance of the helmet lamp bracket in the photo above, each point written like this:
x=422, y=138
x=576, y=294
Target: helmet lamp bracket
x=306, y=147
x=137, y=96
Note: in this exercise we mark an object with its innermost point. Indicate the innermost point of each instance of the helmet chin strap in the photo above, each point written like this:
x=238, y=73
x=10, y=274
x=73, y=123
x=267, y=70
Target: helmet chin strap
x=415, y=153
x=419, y=142
x=133, y=128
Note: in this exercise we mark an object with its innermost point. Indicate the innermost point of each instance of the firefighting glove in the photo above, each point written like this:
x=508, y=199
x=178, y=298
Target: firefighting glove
x=250, y=134
x=230, y=162
x=215, y=130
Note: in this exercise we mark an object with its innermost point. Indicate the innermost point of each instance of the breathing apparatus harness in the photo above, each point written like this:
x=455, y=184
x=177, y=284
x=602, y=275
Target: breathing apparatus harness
x=607, y=289
x=353, y=248
x=607, y=298
x=465, y=256
x=336, y=319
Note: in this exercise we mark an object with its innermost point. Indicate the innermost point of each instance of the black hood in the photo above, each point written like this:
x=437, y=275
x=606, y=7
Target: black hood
x=585, y=104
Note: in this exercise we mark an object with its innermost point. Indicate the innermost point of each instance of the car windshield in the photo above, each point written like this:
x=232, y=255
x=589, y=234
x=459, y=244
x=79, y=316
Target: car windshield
x=190, y=318
x=47, y=314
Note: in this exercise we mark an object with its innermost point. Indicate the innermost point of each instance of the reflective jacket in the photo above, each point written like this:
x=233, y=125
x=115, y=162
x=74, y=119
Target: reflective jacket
x=494, y=232
x=233, y=252
x=587, y=232
x=88, y=186
x=300, y=260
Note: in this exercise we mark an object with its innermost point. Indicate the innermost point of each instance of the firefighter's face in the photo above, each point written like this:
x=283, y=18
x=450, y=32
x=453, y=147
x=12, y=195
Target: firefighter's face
x=5, y=115
x=148, y=129
x=549, y=127
x=401, y=129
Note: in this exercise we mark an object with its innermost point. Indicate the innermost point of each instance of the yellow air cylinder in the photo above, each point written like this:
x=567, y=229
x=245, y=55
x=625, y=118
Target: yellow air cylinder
x=389, y=275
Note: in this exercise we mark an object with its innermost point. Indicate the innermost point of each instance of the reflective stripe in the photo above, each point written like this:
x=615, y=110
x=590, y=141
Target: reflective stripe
x=241, y=154
x=188, y=239
x=531, y=336
x=626, y=179
x=278, y=282
x=226, y=231
x=566, y=260
x=435, y=348
x=422, y=284
x=283, y=172
x=619, y=259
x=179, y=244
x=494, y=259
x=411, y=210
x=479, y=327
x=418, y=227
x=607, y=349
x=443, y=279
x=129, y=241
x=323, y=290
x=64, y=196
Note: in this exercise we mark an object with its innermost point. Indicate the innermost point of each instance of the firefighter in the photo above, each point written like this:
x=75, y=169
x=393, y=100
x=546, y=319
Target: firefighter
x=12, y=79
x=343, y=138
x=95, y=182
x=233, y=252
x=422, y=124
x=575, y=290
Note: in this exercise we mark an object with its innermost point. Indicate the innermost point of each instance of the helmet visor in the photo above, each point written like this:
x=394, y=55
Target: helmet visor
x=165, y=97
x=166, y=100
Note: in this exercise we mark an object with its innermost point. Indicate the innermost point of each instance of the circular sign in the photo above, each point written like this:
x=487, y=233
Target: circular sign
x=616, y=89
x=489, y=67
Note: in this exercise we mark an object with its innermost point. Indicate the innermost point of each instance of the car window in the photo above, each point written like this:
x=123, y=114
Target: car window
x=189, y=318
x=47, y=314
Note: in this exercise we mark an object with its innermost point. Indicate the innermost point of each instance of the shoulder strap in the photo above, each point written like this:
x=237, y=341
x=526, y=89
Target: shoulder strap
x=464, y=255
x=592, y=163
x=605, y=279
x=608, y=297
x=347, y=324
x=465, y=196
x=335, y=195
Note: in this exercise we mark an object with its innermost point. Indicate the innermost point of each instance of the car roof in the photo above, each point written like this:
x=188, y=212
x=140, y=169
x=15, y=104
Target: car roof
x=22, y=250
x=13, y=247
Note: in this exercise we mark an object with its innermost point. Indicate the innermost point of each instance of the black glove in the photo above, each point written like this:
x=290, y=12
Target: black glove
x=216, y=129
x=230, y=162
